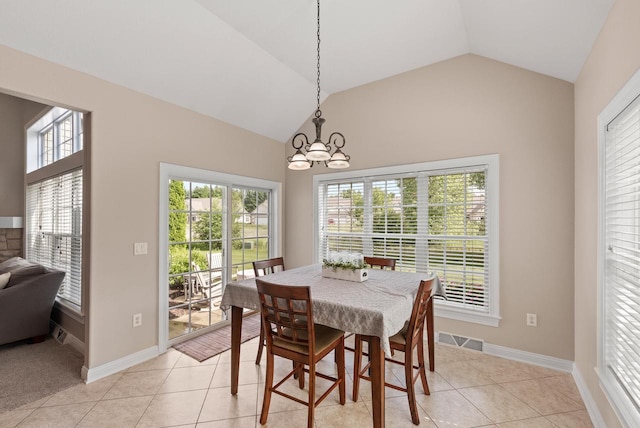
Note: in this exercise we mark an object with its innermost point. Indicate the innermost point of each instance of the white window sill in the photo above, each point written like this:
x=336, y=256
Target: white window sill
x=69, y=309
x=441, y=309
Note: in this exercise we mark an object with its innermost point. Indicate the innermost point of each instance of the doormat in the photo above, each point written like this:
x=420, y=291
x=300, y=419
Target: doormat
x=211, y=344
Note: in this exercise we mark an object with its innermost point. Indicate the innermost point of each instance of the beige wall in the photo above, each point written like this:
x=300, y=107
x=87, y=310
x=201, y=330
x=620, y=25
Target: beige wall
x=131, y=135
x=463, y=107
x=614, y=58
x=14, y=114
x=12, y=157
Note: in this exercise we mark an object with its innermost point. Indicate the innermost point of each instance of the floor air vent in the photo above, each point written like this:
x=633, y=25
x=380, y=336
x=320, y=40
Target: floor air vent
x=59, y=334
x=461, y=341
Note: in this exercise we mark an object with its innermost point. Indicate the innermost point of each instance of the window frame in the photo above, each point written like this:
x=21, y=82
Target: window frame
x=41, y=145
x=622, y=405
x=491, y=162
x=51, y=122
x=36, y=172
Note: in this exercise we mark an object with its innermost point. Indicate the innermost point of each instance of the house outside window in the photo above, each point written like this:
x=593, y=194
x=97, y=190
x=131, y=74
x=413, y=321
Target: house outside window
x=54, y=198
x=434, y=217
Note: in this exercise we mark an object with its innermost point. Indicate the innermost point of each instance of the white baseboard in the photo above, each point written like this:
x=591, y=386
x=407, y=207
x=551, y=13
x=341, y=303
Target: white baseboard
x=589, y=402
x=529, y=357
x=557, y=364
x=74, y=342
x=94, y=373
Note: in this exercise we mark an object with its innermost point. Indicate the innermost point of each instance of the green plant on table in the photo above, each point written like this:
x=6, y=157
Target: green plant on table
x=345, y=264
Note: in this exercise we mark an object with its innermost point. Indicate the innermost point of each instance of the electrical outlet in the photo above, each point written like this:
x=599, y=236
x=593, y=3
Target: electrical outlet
x=532, y=320
x=137, y=320
x=139, y=248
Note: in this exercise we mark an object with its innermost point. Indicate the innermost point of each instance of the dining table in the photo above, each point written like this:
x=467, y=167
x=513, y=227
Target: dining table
x=376, y=308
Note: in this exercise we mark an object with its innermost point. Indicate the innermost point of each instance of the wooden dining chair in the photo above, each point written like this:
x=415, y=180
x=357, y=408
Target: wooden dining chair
x=406, y=340
x=262, y=268
x=287, y=315
x=380, y=262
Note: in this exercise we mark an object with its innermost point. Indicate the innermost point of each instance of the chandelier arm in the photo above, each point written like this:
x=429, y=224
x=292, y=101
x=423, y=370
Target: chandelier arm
x=335, y=140
x=302, y=143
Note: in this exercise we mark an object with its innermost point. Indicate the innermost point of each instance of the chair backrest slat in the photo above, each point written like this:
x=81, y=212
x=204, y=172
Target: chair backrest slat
x=381, y=262
x=287, y=314
x=265, y=267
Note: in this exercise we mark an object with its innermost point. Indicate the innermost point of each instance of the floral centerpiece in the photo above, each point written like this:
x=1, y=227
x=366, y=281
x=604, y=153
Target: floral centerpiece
x=345, y=265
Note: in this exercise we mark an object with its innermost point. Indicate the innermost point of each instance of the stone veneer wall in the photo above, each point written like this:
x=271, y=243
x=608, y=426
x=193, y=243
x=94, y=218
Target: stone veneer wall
x=10, y=243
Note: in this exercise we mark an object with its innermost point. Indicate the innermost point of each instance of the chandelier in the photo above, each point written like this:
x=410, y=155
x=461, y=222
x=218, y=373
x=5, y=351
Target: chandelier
x=308, y=153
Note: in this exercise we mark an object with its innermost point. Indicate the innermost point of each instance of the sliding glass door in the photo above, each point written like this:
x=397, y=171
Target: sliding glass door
x=196, y=235
x=215, y=231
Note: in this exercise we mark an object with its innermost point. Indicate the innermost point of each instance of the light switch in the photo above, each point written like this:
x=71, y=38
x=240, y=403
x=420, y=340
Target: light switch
x=139, y=248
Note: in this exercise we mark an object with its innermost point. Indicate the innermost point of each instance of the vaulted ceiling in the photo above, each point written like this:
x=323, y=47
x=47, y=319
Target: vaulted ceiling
x=252, y=63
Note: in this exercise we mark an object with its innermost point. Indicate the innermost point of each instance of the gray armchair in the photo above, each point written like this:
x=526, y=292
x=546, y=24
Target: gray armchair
x=26, y=302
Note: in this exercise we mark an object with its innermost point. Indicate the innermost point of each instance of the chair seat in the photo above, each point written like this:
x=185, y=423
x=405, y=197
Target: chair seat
x=400, y=337
x=325, y=337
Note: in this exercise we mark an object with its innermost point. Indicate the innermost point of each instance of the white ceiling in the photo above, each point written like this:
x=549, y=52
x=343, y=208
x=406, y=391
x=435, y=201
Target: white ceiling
x=252, y=63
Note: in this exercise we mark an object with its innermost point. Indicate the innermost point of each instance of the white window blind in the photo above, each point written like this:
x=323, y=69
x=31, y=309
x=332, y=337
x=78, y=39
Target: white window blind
x=621, y=296
x=426, y=220
x=54, y=229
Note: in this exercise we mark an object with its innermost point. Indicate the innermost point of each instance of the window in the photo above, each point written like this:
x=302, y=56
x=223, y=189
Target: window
x=439, y=216
x=214, y=226
x=59, y=138
x=54, y=199
x=54, y=229
x=619, y=252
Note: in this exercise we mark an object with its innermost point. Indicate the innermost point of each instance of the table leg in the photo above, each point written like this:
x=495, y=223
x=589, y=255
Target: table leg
x=236, y=332
x=431, y=336
x=377, y=380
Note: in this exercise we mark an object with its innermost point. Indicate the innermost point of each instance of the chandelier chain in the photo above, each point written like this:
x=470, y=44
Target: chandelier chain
x=307, y=153
x=318, y=80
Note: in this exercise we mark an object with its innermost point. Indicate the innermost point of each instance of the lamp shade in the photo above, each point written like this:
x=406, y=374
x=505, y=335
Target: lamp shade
x=299, y=162
x=339, y=160
x=318, y=152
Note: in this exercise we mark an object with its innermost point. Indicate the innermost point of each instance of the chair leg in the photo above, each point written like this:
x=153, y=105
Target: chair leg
x=431, y=336
x=341, y=371
x=423, y=373
x=312, y=393
x=411, y=392
x=300, y=369
x=261, y=344
x=268, y=384
x=357, y=363
x=335, y=357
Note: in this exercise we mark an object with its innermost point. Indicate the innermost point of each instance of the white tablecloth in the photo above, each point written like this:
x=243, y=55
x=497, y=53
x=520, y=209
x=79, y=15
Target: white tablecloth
x=378, y=306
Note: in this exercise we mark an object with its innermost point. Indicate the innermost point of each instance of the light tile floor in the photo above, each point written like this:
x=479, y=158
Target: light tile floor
x=468, y=389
